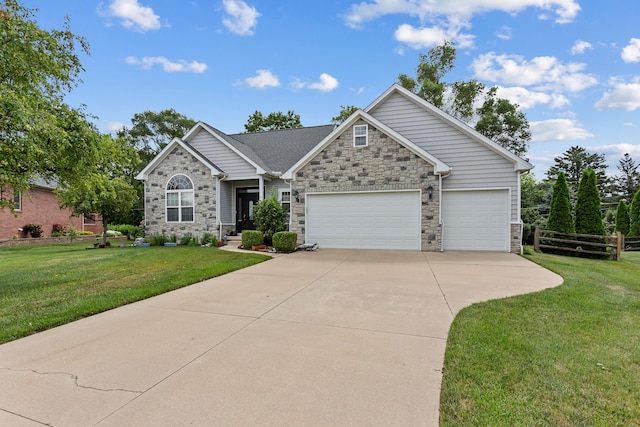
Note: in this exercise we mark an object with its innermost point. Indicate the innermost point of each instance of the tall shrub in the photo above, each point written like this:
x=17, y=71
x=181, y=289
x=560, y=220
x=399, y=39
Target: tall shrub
x=588, y=210
x=560, y=210
x=269, y=216
x=634, y=216
x=622, y=218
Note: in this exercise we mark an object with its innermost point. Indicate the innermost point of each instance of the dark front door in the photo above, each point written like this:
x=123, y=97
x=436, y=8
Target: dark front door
x=246, y=200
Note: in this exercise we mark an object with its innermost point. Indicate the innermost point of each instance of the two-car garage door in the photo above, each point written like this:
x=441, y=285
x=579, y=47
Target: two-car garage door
x=368, y=220
x=476, y=220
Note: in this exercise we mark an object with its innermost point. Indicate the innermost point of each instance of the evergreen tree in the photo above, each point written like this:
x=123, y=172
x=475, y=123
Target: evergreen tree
x=634, y=216
x=628, y=182
x=560, y=211
x=622, y=218
x=576, y=160
x=588, y=213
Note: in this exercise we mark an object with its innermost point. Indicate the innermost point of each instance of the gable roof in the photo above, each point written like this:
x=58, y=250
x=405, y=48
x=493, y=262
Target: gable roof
x=144, y=173
x=441, y=168
x=519, y=164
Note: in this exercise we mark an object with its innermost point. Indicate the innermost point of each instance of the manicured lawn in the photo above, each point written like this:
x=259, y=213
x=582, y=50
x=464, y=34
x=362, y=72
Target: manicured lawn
x=568, y=356
x=43, y=286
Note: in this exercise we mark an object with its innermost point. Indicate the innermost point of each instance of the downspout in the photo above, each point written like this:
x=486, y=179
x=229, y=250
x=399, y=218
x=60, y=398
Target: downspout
x=218, y=222
x=261, y=186
x=440, y=213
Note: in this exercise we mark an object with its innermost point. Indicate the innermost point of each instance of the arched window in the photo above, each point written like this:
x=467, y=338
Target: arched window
x=179, y=199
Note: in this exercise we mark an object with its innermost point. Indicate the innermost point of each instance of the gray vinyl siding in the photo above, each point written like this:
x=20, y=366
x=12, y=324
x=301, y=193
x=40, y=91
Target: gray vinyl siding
x=221, y=155
x=473, y=165
x=226, y=202
x=276, y=185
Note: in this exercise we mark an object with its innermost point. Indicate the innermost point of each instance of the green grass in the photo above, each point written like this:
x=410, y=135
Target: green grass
x=43, y=286
x=567, y=356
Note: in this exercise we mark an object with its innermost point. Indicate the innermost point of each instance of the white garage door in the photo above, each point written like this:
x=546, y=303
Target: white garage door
x=476, y=220
x=380, y=220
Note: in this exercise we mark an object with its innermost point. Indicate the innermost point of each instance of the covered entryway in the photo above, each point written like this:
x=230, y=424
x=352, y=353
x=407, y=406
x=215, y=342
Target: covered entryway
x=476, y=220
x=366, y=220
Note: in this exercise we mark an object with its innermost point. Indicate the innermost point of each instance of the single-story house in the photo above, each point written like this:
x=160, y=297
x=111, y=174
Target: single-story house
x=40, y=205
x=400, y=174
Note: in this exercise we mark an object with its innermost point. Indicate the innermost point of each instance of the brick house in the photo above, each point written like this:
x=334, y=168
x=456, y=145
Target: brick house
x=39, y=205
x=400, y=174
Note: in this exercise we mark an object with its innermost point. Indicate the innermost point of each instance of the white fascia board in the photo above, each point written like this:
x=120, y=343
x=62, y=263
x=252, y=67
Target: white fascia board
x=202, y=125
x=519, y=164
x=440, y=167
x=144, y=173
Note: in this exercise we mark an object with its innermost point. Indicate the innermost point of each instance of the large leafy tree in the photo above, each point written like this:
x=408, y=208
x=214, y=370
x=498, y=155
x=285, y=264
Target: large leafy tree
x=151, y=131
x=628, y=181
x=497, y=119
x=560, y=218
x=105, y=188
x=258, y=122
x=573, y=162
x=37, y=129
x=588, y=213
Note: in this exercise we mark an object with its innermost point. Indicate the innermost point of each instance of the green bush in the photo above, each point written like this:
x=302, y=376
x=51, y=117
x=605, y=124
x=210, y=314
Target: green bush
x=252, y=238
x=189, y=241
x=622, y=218
x=207, y=239
x=131, y=231
x=285, y=241
x=560, y=218
x=269, y=216
x=634, y=216
x=157, y=240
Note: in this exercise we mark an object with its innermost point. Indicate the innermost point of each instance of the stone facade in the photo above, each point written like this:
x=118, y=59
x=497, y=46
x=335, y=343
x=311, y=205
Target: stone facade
x=382, y=165
x=516, y=238
x=179, y=161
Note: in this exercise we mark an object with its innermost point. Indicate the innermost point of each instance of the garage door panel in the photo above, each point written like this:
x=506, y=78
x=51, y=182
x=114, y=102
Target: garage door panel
x=376, y=220
x=476, y=220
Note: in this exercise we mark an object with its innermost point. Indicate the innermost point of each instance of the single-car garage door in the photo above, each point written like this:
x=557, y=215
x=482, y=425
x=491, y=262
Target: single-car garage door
x=476, y=220
x=376, y=220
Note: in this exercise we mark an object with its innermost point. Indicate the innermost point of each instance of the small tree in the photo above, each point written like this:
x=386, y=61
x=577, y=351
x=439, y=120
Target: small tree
x=345, y=113
x=622, y=218
x=560, y=211
x=269, y=216
x=257, y=122
x=588, y=210
x=634, y=216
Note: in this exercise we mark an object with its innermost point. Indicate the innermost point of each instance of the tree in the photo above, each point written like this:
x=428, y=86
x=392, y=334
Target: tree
x=622, y=218
x=629, y=179
x=497, y=119
x=269, y=217
x=588, y=213
x=573, y=162
x=502, y=122
x=534, y=198
x=257, y=122
x=37, y=69
x=104, y=188
x=345, y=113
x=150, y=132
x=560, y=218
x=634, y=215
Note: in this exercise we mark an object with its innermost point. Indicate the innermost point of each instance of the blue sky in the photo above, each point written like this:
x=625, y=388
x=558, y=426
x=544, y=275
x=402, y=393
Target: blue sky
x=572, y=65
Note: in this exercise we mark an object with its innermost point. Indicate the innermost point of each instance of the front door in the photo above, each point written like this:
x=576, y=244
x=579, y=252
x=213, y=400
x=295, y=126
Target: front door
x=245, y=201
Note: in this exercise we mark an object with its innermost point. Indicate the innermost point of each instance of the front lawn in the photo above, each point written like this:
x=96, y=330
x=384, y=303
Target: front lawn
x=568, y=356
x=43, y=286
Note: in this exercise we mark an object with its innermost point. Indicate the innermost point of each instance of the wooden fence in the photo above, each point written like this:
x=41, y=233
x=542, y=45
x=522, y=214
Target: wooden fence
x=579, y=244
x=631, y=243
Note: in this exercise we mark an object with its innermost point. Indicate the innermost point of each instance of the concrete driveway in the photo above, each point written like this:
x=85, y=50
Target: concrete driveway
x=321, y=338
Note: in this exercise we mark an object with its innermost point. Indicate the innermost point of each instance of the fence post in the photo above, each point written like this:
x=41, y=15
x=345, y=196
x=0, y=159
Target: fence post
x=620, y=246
x=536, y=240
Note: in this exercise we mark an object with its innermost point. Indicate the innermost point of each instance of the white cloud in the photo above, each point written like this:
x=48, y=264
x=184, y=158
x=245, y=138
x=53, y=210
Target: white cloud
x=168, y=66
x=425, y=37
x=133, y=15
x=263, y=80
x=527, y=99
x=114, y=127
x=557, y=130
x=631, y=53
x=544, y=72
x=327, y=83
x=241, y=18
x=624, y=95
x=580, y=46
x=617, y=150
x=360, y=13
x=505, y=33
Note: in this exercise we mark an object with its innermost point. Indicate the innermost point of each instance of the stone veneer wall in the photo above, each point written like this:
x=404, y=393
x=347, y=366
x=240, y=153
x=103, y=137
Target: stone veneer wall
x=179, y=161
x=383, y=165
x=516, y=238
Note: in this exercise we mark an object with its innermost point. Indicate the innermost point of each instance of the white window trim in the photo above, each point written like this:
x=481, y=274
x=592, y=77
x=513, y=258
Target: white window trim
x=366, y=135
x=179, y=206
x=18, y=203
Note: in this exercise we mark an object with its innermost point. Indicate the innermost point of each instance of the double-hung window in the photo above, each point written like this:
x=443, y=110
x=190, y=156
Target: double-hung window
x=17, y=200
x=179, y=199
x=360, y=134
x=285, y=200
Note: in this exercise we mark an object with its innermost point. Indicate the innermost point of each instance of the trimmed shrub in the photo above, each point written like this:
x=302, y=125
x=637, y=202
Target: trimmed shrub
x=285, y=241
x=622, y=218
x=634, y=216
x=588, y=212
x=252, y=238
x=560, y=210
x=269, y=216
